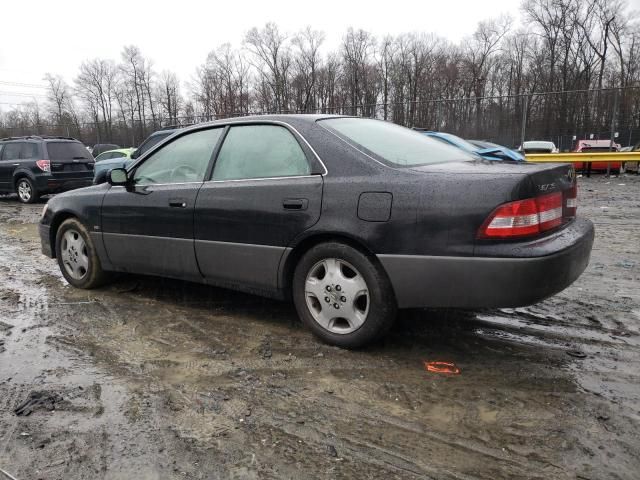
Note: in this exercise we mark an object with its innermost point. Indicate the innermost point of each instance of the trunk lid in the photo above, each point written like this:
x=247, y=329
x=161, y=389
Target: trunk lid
x=458, y=197
x=533, y=178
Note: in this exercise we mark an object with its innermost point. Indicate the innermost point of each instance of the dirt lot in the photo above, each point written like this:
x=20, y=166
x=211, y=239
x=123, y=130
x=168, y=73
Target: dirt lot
x=158, y=379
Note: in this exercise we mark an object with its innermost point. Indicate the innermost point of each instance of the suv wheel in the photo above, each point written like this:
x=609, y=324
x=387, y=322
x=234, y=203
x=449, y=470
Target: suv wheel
x=26, y=191
x=77, y=256
x=342, y=295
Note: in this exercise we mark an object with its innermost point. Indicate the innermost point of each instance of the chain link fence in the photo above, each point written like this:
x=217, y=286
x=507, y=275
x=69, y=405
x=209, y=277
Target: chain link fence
x=561, y=117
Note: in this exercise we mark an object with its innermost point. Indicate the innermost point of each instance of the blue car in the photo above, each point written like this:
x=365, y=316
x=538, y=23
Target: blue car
x=123, y=161
x=487, y=150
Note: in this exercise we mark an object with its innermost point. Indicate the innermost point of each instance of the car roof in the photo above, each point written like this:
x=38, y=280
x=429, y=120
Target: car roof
x=538, y=142
x=296, y=117
x=165, y=131
x=119, y=150
x=46, y=138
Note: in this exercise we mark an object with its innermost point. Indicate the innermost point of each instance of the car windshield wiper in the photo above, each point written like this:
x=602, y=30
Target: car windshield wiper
x=79, y=158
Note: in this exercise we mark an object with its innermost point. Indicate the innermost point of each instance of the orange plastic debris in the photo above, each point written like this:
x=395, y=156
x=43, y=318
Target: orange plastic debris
x=442, y=367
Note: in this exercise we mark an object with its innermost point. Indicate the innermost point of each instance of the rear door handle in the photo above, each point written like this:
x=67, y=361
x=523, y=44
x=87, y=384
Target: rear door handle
x=177, y=203
x=295, y=203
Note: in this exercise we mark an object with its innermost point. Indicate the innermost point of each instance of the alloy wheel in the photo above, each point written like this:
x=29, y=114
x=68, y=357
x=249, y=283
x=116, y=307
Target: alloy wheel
x=337, y=296
x=24, y=190
x=74, y=254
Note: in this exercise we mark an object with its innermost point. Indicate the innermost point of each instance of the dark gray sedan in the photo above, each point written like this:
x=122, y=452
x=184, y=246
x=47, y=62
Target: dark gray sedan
x=352, y=218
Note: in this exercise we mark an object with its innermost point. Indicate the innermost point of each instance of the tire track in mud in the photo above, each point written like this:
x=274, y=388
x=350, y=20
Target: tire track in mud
x=90, y=446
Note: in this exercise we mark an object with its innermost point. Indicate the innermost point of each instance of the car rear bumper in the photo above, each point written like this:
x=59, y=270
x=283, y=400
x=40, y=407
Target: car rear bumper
x=45, y=240
x=493, y=281
x=52, y=184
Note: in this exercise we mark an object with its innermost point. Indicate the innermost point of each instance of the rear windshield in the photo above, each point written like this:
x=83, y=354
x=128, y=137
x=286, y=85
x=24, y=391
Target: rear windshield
x=68, y=151
x=392, y=144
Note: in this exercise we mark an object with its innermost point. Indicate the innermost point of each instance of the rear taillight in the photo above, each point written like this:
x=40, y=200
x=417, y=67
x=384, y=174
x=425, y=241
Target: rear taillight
x=44, y=165
x=571, y=201
x=524, y=218
x=549, y=211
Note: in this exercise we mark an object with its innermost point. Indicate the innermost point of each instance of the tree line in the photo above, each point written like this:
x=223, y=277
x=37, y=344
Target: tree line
x=583, y=55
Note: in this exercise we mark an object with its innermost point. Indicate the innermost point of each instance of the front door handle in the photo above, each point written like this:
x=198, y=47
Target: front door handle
x=295, y=203
x=177, y=203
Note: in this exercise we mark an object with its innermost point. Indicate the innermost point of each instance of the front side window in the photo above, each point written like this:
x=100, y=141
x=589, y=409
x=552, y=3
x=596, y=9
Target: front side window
x=184, y=160
x=260, y=151
x=12, y=151
x=392, y=144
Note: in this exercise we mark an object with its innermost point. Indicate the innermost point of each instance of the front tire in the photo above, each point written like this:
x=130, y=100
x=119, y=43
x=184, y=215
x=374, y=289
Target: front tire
x=26, y=190
x=77, y=257
x=343, y=295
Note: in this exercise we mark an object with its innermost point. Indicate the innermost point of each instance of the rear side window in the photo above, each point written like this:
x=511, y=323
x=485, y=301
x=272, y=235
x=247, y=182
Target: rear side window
x=260, y=151
x=30, y=151
x=12, y=151
x=68, y=151
x=392, y=144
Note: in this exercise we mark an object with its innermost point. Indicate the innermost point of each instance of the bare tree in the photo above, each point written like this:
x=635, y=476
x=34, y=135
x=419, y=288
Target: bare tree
x=306, y=61
x=168, y=95
x=58, y=95
x=272, y=60
x=96, y=84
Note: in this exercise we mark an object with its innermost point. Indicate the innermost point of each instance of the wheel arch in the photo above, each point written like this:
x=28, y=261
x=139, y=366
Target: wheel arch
x=310, y=241
x=22, y=173
x=56, y=221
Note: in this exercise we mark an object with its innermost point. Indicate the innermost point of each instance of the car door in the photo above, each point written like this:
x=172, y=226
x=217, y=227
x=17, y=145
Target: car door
x=10, y=161
x=266, y=188
x=147, y=227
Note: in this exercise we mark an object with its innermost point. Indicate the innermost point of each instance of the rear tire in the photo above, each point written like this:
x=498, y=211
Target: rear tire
x=26, y=190
x=343, y=295
x=77, y=257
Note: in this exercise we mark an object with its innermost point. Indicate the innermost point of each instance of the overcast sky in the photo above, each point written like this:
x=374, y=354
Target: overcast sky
x=56, y=36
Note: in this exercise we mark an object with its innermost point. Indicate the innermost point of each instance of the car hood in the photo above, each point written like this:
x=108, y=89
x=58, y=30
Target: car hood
x=500, y=153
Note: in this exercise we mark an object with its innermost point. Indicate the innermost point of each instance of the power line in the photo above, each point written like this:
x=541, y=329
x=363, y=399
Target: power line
x=21, y=94
x=21, y=84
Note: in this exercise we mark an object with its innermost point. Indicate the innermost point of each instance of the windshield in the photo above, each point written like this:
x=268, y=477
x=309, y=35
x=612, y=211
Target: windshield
x=392, y=144
x=68, y=151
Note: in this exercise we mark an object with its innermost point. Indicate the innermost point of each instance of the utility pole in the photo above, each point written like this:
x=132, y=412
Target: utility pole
x=524, y=122
x=613, y=126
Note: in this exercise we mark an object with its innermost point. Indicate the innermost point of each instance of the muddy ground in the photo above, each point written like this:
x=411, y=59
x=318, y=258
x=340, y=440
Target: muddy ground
x=159, y=379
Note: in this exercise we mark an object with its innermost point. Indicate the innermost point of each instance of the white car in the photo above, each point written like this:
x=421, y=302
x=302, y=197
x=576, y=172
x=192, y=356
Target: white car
x=538, y=146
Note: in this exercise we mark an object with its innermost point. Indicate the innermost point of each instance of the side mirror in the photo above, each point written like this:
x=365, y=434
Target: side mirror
x=118, y=176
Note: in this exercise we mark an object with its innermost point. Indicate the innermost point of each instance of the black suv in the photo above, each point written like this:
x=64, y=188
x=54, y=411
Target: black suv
x=36, y=165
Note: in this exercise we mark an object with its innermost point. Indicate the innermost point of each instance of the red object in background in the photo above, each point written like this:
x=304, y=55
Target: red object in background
x=597, y=146
x=447, y=368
